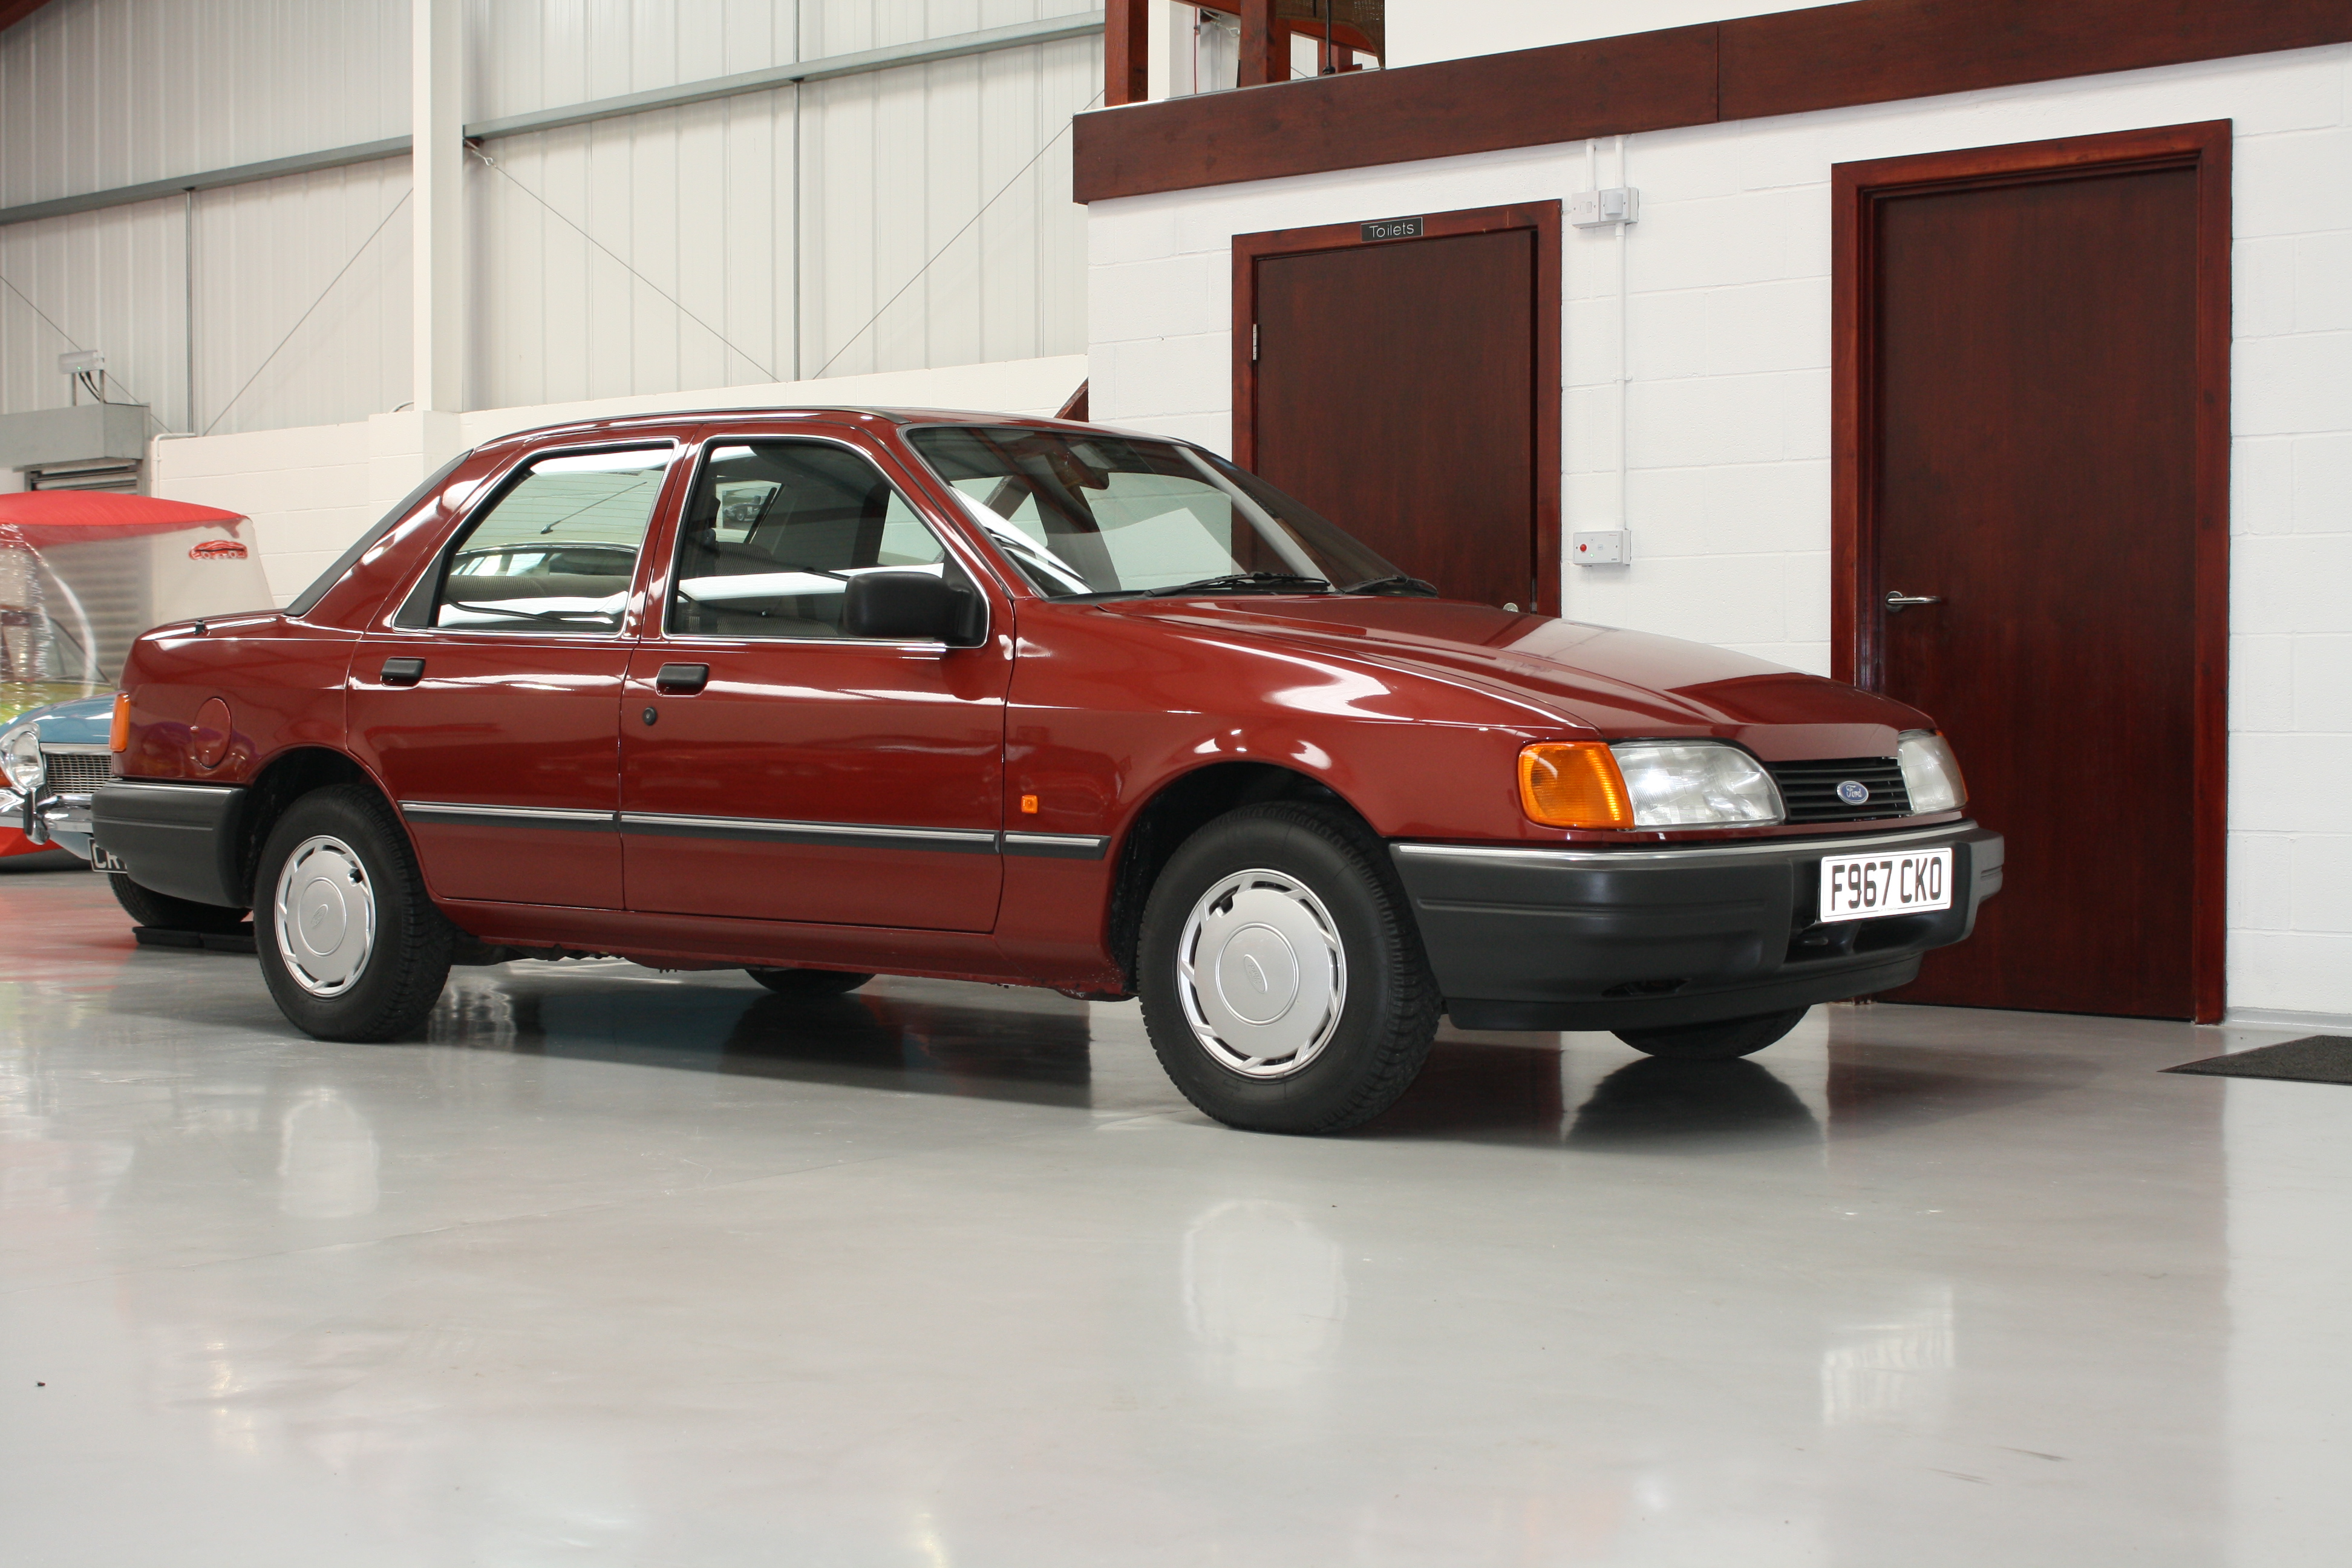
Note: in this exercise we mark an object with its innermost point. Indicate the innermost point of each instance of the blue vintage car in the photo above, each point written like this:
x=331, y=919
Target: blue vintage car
x=51, y=760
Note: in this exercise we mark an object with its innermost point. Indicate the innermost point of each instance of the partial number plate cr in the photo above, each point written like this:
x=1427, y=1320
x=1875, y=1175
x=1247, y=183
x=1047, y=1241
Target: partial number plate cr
x=1874, y=886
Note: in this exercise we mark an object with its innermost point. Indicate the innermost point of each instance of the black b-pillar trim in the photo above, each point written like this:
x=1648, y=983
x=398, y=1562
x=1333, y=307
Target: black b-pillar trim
x=174, y=839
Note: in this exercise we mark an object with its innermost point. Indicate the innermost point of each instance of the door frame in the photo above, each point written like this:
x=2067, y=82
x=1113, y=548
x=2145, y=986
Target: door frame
x=1543, y=219
x=1856, y=646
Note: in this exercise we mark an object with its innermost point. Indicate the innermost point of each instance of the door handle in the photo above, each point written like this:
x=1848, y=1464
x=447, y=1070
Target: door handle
x=1897, y=600
x=682, y=680
x=402, y=671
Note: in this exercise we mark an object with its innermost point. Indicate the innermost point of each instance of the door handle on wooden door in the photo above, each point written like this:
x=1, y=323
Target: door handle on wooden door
x=1897, y=600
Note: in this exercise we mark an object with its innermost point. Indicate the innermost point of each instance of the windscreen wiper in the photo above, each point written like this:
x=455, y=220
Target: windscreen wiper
x=1399, y=583
x=1244, y=582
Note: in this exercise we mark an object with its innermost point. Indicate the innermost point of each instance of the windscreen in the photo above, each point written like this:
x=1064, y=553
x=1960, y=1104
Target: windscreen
x=1082, y=513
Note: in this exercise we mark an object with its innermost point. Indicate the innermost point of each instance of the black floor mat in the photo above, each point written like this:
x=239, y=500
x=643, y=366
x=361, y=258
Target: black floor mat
x=238, y=941
x=2315, y=1059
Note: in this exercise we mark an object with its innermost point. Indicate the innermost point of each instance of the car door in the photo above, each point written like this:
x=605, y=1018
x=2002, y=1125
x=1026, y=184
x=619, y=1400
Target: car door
x=774, y=767
x=490, y=707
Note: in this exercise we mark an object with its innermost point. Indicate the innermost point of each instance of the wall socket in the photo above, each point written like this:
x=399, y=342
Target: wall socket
x=1592, y=209
x=1600, y=547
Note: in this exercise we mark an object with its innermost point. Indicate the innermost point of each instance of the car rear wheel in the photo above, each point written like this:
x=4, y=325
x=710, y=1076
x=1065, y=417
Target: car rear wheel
x=1283, y=984
x=808, y=982
x=350, y=945
x=147, y=907
x=1720, y=1041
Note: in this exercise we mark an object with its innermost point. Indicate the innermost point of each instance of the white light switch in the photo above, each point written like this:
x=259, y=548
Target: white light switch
x=1600, y=547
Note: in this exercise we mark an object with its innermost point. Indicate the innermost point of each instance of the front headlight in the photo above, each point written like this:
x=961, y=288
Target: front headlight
x=1696, y=784
x=20, y=757
x=1646, y=784
x=1930, y=773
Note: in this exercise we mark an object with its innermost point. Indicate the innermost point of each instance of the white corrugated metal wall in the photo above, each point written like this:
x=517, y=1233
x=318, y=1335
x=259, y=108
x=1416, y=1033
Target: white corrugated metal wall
x=699, y=202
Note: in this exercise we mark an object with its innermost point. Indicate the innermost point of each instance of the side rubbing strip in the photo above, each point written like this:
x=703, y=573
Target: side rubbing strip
x=1056, y=846
x=561, y=819
x=837, y=834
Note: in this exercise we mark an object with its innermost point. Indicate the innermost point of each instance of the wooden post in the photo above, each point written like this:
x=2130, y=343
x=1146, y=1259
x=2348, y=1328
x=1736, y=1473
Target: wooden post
x=1127, y=51
x=1265, y=44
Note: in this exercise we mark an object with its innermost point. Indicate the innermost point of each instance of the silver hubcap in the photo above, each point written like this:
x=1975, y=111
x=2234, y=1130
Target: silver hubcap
x=1262, y=974
x=325, y=910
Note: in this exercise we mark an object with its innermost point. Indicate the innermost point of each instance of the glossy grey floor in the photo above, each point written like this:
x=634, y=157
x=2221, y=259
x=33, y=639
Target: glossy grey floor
x=630, y=1268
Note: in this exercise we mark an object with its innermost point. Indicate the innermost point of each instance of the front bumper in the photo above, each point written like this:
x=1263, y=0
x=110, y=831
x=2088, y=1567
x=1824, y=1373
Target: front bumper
x=48, y=818
x=1539, y=938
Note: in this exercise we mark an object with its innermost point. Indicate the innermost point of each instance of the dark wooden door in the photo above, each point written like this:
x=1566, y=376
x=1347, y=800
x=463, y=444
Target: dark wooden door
x=2033, y=426
x=1396, y=391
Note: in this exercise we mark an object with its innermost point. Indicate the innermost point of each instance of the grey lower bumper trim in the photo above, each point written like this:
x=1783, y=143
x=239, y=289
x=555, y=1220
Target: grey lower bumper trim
x=1542, y=938
x=183, y=840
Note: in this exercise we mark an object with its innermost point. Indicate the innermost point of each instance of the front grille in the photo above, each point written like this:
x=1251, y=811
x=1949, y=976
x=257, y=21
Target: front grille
x=1809, y=789
x=75, y=772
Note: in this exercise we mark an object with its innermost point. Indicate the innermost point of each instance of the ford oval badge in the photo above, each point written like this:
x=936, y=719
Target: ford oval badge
x=1853, y=792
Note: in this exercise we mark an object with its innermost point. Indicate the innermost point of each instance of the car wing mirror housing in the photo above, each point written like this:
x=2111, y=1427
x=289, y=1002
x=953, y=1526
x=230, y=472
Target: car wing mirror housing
x=913, y=606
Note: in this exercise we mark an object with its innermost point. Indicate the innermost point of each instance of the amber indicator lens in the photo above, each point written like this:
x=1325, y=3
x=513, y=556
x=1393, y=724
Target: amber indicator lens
x=1573, y=784
x=118, y=738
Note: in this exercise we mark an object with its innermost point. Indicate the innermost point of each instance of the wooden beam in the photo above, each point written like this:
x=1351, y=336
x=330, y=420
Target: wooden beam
x=1871, y=51
x=1647, y=81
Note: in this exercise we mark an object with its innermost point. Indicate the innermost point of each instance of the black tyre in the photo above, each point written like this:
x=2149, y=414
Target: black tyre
x=1718, y=1042
x=1284, y=985
x=350, y=945
x=811, y=982
x=147, y=907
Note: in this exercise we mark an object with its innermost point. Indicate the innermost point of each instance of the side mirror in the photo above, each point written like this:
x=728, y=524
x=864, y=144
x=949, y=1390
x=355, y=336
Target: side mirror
x=911, y=607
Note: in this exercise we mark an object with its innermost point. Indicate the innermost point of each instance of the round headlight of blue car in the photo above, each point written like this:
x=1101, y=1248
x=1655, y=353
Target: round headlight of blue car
x=20, y=757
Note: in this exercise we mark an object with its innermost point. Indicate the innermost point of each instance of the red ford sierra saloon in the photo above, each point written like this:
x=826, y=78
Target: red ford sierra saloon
x=827, y=694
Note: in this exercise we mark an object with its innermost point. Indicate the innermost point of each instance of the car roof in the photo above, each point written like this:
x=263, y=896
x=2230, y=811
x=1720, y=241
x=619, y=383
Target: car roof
x=678, y=422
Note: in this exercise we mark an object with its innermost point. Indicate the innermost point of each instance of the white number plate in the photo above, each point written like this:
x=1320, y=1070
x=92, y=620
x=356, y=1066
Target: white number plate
x=1872, y=886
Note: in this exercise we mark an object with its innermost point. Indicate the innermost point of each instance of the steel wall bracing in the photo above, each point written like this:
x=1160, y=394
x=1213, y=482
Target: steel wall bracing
x=697, y=200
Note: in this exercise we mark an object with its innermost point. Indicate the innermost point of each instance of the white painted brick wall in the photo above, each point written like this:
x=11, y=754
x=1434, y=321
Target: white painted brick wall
x=1729, y=487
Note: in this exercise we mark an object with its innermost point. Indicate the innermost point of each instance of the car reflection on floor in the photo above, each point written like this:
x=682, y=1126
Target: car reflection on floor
x=1029, y=1046
x=918, y=1039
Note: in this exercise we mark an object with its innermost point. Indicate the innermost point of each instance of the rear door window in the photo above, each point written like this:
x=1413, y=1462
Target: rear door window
x=557, y=551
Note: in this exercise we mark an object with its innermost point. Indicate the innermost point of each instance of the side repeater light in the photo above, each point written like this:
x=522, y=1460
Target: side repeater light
x=118, y=738
x=1573, y=784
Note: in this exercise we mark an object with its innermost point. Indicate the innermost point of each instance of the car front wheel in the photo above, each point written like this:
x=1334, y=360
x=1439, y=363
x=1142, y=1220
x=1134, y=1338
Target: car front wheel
x=1283, y=984
x=350, y=945
x=1720, y=1041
